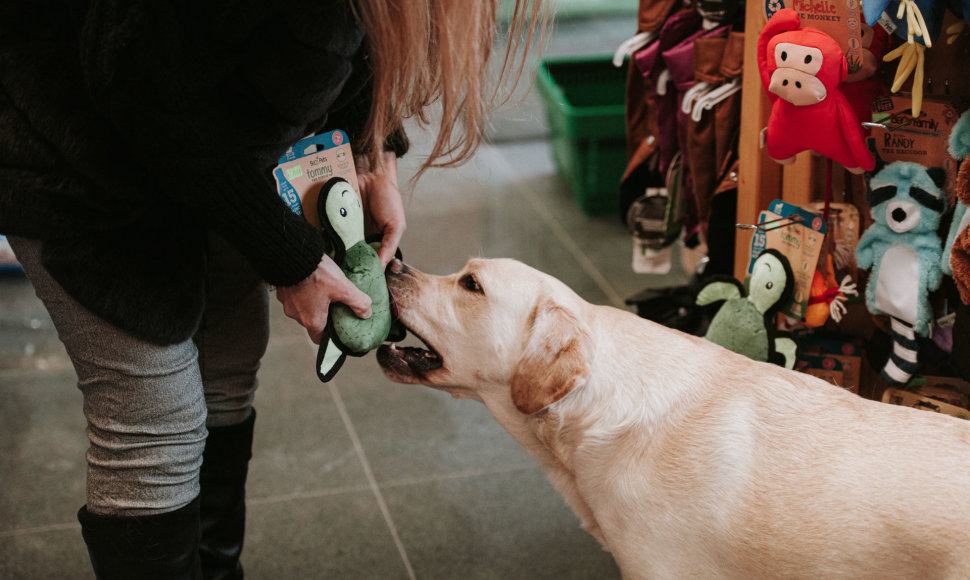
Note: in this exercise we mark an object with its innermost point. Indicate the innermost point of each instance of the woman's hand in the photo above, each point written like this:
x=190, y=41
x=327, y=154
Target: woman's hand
x=383, y=208
x=309, y=301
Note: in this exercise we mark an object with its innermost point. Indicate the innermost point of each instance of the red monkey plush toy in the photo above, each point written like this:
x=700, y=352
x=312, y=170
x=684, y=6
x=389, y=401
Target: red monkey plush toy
x=801, y=68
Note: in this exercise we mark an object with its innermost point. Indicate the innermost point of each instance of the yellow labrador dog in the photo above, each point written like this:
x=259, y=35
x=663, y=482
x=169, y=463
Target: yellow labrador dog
x=683, y=459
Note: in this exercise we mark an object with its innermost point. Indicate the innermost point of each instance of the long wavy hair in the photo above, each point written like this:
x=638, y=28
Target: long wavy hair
x=437, y=52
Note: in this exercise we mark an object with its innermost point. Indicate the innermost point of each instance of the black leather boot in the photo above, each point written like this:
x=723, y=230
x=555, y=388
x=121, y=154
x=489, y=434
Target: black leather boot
x=158, y=547
x=225, y=464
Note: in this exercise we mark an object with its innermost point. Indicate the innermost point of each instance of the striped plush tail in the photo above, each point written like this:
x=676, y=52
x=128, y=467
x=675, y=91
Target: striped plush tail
x=903, y=361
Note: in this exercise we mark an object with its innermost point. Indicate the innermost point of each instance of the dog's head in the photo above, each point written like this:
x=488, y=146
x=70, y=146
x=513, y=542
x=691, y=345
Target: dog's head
x=497, y=331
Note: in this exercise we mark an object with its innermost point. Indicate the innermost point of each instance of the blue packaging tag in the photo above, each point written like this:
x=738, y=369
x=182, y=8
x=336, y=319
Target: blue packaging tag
x=310, y=163
x=798, y=234
x=8, y=262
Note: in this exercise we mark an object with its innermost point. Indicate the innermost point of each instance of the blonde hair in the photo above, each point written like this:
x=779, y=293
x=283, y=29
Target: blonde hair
x=436, y=52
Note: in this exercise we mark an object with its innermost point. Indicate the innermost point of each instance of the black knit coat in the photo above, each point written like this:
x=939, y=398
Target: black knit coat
x=131, y=128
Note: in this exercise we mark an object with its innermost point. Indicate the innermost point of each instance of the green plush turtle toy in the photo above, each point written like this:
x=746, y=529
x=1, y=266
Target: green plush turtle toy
x=342, y=225
x=745, y=322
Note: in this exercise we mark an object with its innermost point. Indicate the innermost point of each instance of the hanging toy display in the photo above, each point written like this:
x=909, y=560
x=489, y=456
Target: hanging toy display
x=956, y=259
x=960, y=8
x=903, y=252
x=827, y=296
x=745, y=323
x=801, y=68
x=918, y=22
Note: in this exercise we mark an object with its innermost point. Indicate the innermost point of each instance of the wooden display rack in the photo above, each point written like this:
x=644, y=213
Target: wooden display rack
x=761, y=180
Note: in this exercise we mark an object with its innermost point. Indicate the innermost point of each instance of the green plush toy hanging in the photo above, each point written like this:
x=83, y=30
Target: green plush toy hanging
x=745, y=322
x=342, y=222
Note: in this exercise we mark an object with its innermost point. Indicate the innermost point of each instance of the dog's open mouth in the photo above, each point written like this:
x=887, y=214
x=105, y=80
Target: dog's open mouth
x=408, y=359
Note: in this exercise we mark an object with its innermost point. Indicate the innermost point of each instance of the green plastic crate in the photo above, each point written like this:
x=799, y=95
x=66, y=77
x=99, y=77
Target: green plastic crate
x=584, y=99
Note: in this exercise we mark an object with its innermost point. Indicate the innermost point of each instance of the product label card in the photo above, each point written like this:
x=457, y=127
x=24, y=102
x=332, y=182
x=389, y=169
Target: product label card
x=898, y=396
x=798, y=234
x=310, y=163
x=844, y=229
x=847, y=353
x=840, y=19
x=827, y=368
x=925, y=139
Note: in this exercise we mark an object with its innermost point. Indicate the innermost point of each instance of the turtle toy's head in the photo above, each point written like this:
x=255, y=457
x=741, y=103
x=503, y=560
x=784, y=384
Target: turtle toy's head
x=341, y=213
x=771, y=281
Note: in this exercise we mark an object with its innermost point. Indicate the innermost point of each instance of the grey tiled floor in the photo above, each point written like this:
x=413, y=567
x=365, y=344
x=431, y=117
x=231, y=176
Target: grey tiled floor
x=359, y=478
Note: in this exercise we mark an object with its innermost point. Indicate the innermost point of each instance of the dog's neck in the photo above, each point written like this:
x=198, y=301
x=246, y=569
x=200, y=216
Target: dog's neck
x=594, y=417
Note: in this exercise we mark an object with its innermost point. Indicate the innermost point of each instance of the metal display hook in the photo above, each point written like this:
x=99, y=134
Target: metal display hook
x=890, y=128
x=782, y=222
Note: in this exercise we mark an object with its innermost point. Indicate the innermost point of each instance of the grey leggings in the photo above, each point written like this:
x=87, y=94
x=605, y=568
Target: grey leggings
x=148, y=406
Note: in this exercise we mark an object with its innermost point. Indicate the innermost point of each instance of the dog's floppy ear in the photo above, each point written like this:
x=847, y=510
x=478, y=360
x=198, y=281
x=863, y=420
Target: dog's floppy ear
x=556, y=359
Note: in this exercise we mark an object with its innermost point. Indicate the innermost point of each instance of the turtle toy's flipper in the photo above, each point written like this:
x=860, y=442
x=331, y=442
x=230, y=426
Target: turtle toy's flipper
x=787, y=349
x=329, y=360
x=719, y=290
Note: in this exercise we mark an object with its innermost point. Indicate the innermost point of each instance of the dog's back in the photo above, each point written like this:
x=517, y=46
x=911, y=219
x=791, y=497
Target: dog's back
x=697, y=462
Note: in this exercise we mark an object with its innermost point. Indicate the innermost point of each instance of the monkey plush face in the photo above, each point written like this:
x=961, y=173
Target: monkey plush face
x=805, y=66
x=794, y=80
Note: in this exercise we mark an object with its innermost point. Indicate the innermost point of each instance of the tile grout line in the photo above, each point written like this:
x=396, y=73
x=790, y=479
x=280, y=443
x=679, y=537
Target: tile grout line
x=458, y=475
x=560, y=232
x=372, y=481
x=272, y=499
x=40, y=530
x=392, y=483
x=26, y=373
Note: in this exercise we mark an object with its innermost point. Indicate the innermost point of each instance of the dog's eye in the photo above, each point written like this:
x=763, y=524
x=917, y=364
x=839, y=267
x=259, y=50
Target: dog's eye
x=468, y=282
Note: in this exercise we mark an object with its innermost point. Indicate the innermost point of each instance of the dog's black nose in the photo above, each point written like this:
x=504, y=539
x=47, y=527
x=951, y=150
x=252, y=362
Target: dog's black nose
x=899, y=214
x=396, y=267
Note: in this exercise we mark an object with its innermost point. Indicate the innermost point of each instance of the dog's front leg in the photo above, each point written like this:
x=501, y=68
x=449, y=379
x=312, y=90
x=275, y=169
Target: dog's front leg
x=565, y=484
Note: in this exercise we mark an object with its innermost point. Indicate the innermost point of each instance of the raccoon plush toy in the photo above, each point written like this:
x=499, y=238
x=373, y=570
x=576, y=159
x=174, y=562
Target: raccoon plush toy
x=904, y=253
x=956, y=257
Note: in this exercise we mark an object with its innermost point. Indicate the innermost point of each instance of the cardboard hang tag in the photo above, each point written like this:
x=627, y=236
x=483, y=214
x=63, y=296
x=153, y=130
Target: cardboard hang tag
x=843, y=228
x=840, y=19
x=310, y=163
x=925, y=139
x=798, y=234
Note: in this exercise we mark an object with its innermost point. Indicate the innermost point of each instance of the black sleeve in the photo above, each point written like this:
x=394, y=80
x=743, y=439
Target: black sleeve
x=205, y=97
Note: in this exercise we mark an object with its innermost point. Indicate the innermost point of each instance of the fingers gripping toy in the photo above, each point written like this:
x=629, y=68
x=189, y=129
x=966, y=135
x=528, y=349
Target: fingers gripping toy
x=801, y=69
x=904, y=252
x=745, y=323
x=342, y=220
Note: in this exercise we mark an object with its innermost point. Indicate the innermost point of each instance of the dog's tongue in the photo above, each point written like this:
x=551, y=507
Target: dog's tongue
x=416, y=359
